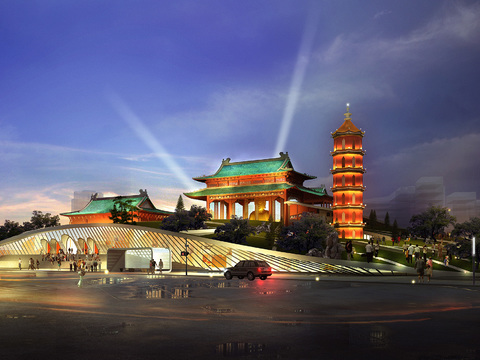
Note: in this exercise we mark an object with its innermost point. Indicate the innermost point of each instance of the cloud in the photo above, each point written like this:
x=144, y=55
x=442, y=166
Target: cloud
x=456, y=159
x=381, y=14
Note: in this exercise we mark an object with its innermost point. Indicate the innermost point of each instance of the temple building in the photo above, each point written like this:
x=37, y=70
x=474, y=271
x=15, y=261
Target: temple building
x=348, y=180
x=261, y=189
x=97, y=211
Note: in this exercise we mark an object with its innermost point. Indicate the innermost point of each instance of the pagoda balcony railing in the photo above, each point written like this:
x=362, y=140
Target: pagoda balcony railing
x=348, y=206
x=349, y=224
x=347, y=187
x=347, y=151
x=356, y=169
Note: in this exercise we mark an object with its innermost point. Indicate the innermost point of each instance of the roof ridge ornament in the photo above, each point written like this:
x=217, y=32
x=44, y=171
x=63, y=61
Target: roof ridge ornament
x=348, y=114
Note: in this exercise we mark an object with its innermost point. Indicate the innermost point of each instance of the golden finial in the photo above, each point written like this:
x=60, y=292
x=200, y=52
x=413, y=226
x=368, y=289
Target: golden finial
x=347, y=114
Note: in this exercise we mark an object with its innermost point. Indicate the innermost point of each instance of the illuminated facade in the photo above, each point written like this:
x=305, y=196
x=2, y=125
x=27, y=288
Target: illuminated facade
x=97, y=211
x=348, y=180
x=260, y=189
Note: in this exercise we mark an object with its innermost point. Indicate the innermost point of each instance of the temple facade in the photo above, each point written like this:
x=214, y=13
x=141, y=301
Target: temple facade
x=97, y=211
x=348, y=180
x=261, y=190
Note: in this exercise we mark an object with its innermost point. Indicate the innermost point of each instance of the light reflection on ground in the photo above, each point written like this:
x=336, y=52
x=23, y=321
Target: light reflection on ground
x=215, y=318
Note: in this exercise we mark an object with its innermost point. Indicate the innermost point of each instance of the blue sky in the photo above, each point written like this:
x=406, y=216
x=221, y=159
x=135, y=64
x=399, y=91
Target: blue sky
x=117, y=96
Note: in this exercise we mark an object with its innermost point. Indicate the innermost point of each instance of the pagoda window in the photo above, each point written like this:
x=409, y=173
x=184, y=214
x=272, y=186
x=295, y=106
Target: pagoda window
x=343, y=234
x=353, y=234
x=353, y=199
x=343, y=144
x=343, y=217
x=353, y=144
x=353, y=161
x=343, y=162
x=353, y=180
x=354, y=218
x=343, y=199
x=343, y=180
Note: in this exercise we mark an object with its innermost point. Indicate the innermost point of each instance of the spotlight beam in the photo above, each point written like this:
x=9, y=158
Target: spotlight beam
x=147, y=137
x=297, y=79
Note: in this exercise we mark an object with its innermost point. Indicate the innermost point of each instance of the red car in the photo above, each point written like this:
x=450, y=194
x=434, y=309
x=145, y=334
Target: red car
x=249, y=268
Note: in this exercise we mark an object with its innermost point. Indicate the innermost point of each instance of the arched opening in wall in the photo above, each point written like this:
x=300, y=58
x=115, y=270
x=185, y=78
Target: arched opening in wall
x=92, y=246
x=83, y=248
x=353, y=180
x=212, y=209
x=343, y=180
x=277, y=205
x=68, y=244
x=353, y=161
x=45, y=246
x=343, y=199
x=54, y=246
x=353, y=199
x=251, y=207
x=343, y=162
x=343, y=144
x=343, y=217
x=238, y=210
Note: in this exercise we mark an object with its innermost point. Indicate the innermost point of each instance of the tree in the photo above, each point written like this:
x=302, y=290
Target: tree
x=431, y=222
x=309, y=232
x=183, y=220
x=468, y=229
x=387, y=220
x=123, y=212
x=178, y=221
x=180, y=205
x=235, y=231
x=9, y=229
x=395, y=231
x=40, y=220
x=273, y=232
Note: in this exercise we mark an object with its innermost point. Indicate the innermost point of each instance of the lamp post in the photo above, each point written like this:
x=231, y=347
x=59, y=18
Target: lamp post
x=473, y=259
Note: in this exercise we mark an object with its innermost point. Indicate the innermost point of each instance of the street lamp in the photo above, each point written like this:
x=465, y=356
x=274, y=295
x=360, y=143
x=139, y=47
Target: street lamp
x=473, y=259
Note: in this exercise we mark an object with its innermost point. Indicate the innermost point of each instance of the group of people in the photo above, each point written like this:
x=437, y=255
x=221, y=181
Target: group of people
x=153, y=264
x=423, y=268
x=91, y=263
x=372, y=249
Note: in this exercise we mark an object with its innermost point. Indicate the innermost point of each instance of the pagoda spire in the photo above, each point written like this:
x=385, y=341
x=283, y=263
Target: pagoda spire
x=348, y=114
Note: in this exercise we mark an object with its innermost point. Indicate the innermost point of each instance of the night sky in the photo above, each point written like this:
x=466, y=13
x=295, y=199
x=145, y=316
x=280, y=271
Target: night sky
x=117, y=96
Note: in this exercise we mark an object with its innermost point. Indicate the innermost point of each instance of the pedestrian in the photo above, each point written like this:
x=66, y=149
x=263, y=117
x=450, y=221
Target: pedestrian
x=440, y=250
x=410, y=250
x=404, y=247
x=429, y=270
x=81, y=274
x=71, y=265
x=417, y=252
x=393, y=241
x=19, y=263
x=446, y=261
x=75, y=266
x=424, y=251
x=99, y=262
x=38, y=265
x=369, y=252
x=383, y=240
x=377, y=248
x=59, y=263
x=160, y=265
x=420, y=267
x=348, y=249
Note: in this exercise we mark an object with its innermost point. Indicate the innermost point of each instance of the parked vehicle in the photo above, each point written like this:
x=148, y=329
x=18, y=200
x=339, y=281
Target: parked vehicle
x=250, y=269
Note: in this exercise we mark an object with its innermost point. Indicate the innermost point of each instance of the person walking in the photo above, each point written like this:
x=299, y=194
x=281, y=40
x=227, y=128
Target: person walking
x=424, y=251
x=420, y=267
x=377, y=248
x=81, y=274
x=349, y=249
x=369, y=252
x=160, y=265
x=429, y=271
x=19, y=263
x=410, y=253
x=38, y=265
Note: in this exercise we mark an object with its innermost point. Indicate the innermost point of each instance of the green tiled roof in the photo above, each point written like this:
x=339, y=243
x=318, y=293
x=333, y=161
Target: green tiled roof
x=238, y=189
x=104, y=205
x=254, y=167
x=251, y=189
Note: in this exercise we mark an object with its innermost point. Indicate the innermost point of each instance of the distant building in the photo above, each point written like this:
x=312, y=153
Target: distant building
x=97, y=211
x=260, y=189
x=407, y=201
x=82, y=198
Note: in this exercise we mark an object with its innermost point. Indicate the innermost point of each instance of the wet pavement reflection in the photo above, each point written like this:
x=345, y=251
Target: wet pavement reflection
x=141, y=317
